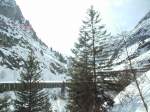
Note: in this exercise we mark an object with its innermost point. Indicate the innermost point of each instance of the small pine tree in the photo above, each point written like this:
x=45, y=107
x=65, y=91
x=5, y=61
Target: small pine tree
x=5, y=104
x=30, y=98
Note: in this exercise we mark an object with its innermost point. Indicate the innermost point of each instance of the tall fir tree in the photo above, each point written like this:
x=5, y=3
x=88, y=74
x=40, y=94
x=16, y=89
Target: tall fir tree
x=81, y=93
x=90, y=57
x=30, y=98
x=99, y=57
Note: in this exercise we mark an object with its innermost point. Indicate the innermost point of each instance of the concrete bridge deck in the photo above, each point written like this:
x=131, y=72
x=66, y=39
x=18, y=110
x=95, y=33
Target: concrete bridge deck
x=18, y=86
x=14, y=86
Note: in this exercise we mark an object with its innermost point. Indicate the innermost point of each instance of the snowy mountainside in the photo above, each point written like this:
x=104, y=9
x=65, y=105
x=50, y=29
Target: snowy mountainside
x=137, y=43
x=16, y=42
x=8, y=3
x=10, y=9
x=17, y=39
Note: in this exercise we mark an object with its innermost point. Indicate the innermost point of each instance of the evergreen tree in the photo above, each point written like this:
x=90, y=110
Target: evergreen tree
x=90, y=57
x=5, y=103
x=30, y=98
x=99, y=57
x=81, y=93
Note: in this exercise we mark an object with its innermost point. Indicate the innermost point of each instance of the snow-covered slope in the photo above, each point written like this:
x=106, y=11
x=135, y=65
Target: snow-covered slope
x=138, y=48
x=130, y=100
x=17, y=39
x=137, y=43
x=16, y=43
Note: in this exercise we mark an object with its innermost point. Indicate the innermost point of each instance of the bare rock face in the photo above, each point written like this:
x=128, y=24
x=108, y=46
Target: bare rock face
x=9, y=9
x=9, y=3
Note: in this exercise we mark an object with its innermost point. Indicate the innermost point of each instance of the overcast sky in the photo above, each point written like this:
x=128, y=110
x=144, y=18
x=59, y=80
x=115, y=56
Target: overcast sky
x=57, y=22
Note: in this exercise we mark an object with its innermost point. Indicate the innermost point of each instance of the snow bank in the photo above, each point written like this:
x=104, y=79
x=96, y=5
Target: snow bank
x=129, y=100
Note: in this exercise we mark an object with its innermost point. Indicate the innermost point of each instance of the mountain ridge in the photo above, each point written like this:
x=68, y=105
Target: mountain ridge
x=17, y=39
x=139, y=53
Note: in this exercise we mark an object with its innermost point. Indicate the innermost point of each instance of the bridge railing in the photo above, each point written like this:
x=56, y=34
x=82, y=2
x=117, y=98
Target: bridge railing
x=20, y=86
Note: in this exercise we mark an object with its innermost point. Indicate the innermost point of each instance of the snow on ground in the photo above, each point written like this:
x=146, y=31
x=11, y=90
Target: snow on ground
x=58, y=102
x=131, y=50
x=8, y=75
x=136, y=62
x=129, y=100
x=144, y=56
x=144, y=24
x=59, y=105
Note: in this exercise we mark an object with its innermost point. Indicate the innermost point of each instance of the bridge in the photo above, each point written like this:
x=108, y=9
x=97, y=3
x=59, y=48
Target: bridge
x=11, y=86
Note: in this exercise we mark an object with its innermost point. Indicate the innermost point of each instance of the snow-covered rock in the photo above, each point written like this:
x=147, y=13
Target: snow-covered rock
x=10, y=9
x=8, y=3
